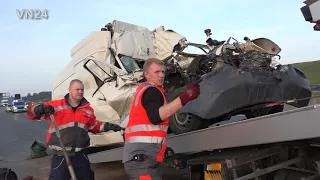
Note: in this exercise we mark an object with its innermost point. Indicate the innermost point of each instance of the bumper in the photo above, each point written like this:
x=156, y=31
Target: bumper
x=19, y=110
x=227, y=89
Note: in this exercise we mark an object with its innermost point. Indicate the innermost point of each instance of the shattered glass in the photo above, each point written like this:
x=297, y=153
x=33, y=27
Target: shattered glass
x=129, y=64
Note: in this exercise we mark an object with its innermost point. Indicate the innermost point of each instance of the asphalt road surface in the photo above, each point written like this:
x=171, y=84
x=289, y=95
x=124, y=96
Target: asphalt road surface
x=17, y=134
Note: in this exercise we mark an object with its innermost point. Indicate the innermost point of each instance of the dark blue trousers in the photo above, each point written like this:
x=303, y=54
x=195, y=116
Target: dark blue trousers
x=80, y=164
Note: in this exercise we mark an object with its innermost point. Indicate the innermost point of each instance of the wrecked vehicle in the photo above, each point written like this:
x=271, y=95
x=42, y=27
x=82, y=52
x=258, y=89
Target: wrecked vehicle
x=237, y=77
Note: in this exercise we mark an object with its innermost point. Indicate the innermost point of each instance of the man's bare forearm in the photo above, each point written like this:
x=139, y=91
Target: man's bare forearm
x=169, y=109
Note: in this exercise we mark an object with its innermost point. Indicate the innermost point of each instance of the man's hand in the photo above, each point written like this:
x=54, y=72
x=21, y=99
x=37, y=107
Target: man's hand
x=47, y=109
x=113, y=127
x=40, y=110
x=192, y=92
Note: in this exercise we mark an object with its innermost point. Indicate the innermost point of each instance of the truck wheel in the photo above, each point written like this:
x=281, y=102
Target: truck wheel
x=186, y=122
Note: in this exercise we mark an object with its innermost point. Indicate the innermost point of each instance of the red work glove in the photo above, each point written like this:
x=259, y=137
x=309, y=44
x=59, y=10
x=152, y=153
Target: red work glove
x=192, y=92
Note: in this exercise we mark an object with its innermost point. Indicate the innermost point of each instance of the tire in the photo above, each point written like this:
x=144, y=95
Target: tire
x=184, y=123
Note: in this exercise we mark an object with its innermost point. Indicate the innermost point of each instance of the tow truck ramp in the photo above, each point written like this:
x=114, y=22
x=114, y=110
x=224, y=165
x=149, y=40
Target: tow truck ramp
x=292, y=125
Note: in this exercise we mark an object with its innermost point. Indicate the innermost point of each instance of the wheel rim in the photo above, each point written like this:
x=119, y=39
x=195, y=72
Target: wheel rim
x=183, y=120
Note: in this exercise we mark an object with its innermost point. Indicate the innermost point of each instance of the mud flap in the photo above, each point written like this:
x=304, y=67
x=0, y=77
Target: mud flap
x=38, y=150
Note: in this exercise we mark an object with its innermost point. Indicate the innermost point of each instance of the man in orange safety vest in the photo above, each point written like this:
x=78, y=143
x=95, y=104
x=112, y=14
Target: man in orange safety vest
x=146, y=131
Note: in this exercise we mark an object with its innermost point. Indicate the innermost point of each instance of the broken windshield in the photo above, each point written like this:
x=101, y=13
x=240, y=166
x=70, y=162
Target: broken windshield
x=129, y=64
x=99, y=69
x=18, y=103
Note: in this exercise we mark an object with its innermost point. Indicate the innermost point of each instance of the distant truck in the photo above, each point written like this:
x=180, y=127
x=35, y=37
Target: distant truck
x=4, y=99
x=4, y=102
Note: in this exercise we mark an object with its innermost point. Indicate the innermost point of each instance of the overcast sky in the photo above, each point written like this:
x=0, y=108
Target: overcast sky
x=34, y=51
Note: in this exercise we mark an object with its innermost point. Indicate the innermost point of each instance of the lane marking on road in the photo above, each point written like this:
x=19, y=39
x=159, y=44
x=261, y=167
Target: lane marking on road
x=13, y=139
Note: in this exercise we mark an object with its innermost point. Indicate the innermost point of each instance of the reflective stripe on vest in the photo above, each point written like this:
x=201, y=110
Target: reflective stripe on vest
x=145, y=139
x=145, y=86
x=72, y=124
x=147, y=129
x=58, y=148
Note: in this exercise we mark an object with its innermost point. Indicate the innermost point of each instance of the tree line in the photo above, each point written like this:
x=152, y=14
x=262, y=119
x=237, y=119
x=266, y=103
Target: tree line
x=37, y=97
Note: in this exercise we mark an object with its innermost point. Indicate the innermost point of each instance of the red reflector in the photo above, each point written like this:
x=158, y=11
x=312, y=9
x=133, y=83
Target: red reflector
x=273, y=104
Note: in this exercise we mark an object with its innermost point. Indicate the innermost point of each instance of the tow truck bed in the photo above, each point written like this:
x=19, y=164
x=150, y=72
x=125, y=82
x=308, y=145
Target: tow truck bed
x=291, y=125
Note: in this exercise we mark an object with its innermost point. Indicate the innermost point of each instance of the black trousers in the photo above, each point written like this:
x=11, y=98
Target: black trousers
x=80, y=164
x=143, y=169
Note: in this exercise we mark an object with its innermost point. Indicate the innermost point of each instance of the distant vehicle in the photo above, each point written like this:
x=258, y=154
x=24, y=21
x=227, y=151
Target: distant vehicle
x=4, y=102
x=28, y=103
x=18, y=106
x=8, y=108
x=4, y=99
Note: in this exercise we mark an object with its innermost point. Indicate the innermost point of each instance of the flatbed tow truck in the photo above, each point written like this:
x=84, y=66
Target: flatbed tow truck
x=281, y=146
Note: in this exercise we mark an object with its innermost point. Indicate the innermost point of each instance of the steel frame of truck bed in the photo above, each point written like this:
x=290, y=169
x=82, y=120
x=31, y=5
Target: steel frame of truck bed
x=292, y=125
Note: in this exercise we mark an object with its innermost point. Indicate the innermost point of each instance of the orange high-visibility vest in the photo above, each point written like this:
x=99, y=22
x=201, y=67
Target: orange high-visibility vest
x=140, y=129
